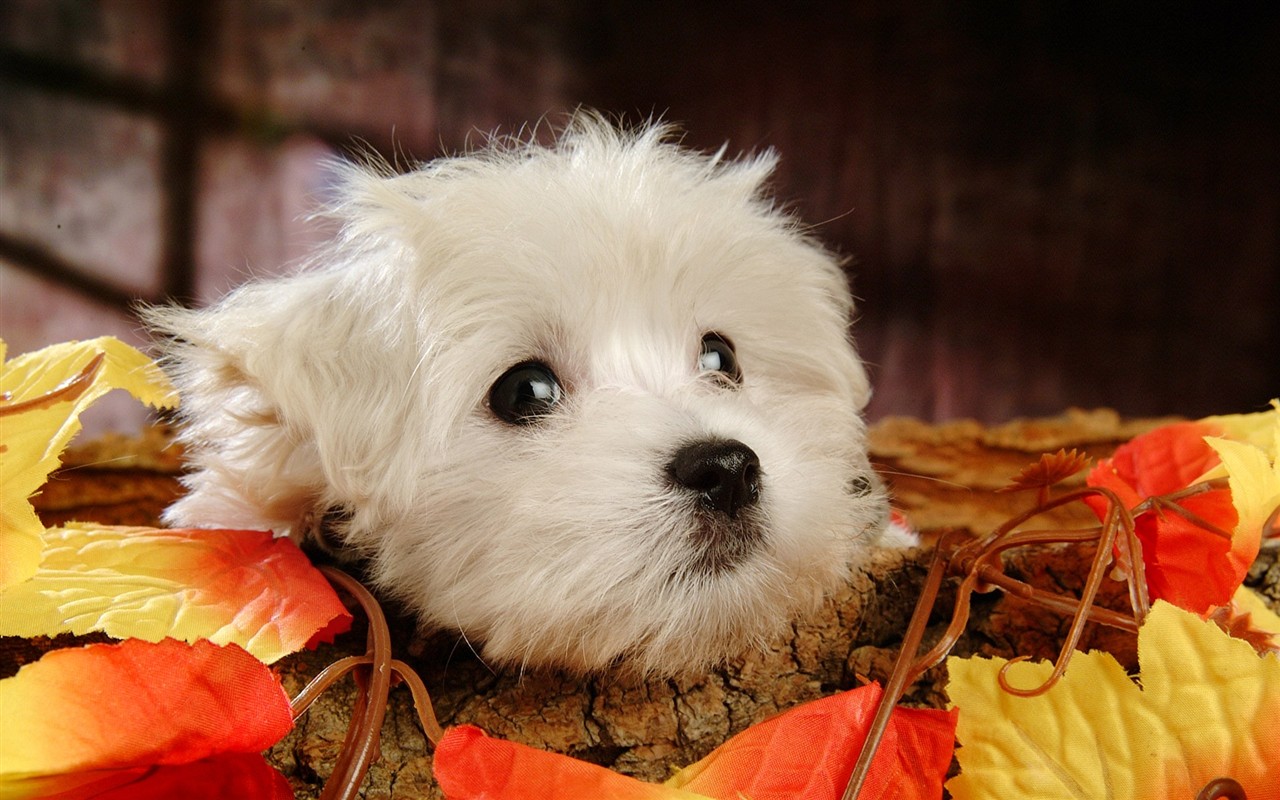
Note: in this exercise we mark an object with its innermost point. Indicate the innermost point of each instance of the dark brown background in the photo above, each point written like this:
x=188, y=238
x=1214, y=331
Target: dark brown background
x=1045, y=203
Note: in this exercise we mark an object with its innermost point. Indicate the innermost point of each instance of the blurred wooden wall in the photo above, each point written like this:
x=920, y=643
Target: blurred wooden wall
x=1044, y=204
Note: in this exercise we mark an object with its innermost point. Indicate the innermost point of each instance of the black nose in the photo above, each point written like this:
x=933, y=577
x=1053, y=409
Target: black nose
x=725, y=473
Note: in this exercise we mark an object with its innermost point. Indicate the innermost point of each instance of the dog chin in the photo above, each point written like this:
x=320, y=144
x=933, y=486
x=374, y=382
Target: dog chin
x=585, y=403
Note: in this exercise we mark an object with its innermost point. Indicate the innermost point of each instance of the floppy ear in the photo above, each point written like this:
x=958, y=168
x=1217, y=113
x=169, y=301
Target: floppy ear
x=292, y=394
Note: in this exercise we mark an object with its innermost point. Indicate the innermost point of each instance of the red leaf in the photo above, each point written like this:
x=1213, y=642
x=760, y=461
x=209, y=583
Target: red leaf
x=1187, y=564
x=243, y=776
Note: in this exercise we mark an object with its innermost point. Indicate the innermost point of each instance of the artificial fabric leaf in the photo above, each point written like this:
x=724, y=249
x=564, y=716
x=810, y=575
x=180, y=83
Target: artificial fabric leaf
x=1248, y=617
x=1189, y=565
x=1206, y=708
x=1247, y=601
x=469, y=765
x=136, y=704
x=807, y=753
x=1258, y=429
x=1254, y=478
x=241, y=587
x=41, y=397
x=243, y=776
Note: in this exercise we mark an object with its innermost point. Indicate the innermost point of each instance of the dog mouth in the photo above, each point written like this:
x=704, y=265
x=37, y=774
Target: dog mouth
x=720, y=544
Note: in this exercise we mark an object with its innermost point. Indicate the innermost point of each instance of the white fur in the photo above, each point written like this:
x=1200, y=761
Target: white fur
x=361, y=382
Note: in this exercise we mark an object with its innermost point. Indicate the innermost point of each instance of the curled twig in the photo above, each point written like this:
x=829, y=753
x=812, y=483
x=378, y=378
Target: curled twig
x=1222, y=789
x=360, y=747
x=400, y=671
x=373, y=673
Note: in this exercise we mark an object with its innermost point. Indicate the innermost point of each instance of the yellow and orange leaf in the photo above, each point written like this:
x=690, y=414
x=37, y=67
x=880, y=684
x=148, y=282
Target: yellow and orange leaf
x=1254, y=477
x=135, y=704
x=229, y=587
x=41, y=397
x=807, y=753
x=1206, y=708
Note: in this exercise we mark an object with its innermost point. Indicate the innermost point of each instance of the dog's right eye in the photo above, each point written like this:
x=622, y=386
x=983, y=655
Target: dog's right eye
x=717, y=357
x=525, y=393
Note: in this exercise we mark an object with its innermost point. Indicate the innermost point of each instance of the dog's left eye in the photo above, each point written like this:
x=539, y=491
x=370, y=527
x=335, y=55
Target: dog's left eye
x=718, y=356
x=525, y=393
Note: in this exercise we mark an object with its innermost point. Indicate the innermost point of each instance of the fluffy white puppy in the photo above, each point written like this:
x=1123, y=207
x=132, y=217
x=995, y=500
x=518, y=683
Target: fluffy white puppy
x=586, y=403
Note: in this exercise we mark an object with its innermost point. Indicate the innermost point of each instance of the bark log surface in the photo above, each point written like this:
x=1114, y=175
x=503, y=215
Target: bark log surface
x=942, y=476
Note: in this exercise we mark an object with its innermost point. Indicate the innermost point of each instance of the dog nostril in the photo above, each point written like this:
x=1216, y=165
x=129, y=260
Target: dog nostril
x=724, y=472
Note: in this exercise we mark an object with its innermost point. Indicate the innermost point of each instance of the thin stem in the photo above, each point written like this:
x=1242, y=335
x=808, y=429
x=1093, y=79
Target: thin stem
x=361, y=743
x=421, y=701
x=899, y=679
x=1097, y=571
x=321, y=683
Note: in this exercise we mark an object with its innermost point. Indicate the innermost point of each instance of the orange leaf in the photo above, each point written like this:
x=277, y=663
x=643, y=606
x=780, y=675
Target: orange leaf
x=807, y=753
x=1166, y=459
x=244, y=776
x=243, y=587
x=136, y=704
x=470, y=765
x=1190, y=566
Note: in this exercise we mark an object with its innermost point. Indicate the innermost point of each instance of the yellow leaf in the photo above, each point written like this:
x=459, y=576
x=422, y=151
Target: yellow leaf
x=41, y=397
x=1207, y=708
x=1254, y=478
x=1247, y=601
x=1260, y=429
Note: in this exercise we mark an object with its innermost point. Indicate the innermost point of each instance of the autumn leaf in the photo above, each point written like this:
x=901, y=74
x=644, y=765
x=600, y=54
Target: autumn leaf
x=807, y=753
x=1253, y=474
x=1206, y=707
x=243, y=776
x=470, y=765
x=1187, y=564
x=1248, y=617
x=41, y=397
x=1258, y=429
x=1051, y=469
x=241, y=587
x=134, y=705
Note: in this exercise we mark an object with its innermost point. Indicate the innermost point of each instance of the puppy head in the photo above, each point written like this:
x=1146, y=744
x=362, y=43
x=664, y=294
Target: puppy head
x=582, y=403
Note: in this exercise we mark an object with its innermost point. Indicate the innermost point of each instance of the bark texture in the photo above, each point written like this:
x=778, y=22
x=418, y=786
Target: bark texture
x=942, y=476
